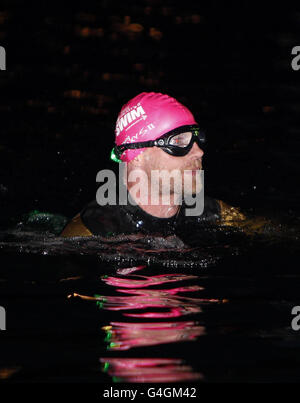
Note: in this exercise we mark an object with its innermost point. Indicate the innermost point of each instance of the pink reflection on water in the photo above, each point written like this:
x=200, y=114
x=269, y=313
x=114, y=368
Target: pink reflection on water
x=151, y=303
x=167, y=302
x=138, y=370
x=173, y=313
x=172, y=291
x=146, y=281
x=162, y=299
x=123, y=336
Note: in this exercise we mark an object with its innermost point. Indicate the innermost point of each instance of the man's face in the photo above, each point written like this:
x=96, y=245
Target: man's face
x=155, y=158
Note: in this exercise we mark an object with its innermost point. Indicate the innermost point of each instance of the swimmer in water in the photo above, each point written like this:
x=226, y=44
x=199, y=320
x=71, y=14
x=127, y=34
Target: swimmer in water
x=155, y=132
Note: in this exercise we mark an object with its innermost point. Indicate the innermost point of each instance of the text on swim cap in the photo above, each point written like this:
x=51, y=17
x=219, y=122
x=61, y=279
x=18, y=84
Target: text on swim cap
x=129, y=117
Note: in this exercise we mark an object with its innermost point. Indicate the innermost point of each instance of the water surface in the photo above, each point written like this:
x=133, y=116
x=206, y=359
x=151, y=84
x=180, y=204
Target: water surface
x=145, y=309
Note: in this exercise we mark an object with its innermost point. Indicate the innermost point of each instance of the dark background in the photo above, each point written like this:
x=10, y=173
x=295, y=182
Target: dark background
x=71, y=67
x=69, y=70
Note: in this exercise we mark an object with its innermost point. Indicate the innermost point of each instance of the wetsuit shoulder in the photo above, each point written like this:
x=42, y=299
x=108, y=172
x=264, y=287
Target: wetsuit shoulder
x=75, y=228
x=102, y=220
x=219, y=212
x=94, y=220
x=250, y=225
x=230, y=214
x=211, y=211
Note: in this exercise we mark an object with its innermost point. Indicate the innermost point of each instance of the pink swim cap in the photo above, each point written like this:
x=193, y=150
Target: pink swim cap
x=148, y=116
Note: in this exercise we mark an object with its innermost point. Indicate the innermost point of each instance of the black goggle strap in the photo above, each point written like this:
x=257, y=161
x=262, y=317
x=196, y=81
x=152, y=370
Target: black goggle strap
x=160, y=142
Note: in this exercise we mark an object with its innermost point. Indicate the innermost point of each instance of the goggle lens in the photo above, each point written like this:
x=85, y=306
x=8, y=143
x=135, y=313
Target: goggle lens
x=181, y=140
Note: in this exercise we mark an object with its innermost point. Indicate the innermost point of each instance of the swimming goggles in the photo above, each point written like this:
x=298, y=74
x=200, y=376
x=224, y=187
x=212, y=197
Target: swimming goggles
x=177, y=142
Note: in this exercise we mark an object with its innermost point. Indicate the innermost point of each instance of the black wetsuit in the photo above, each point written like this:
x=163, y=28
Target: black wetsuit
x=109, y=220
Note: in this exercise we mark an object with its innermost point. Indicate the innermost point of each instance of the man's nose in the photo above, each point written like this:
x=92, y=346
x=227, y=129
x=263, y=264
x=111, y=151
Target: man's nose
x=196, y=151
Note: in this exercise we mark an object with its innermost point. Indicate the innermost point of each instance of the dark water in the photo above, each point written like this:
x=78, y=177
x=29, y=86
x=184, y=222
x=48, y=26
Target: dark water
x=139, y=309
x=132, y=310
